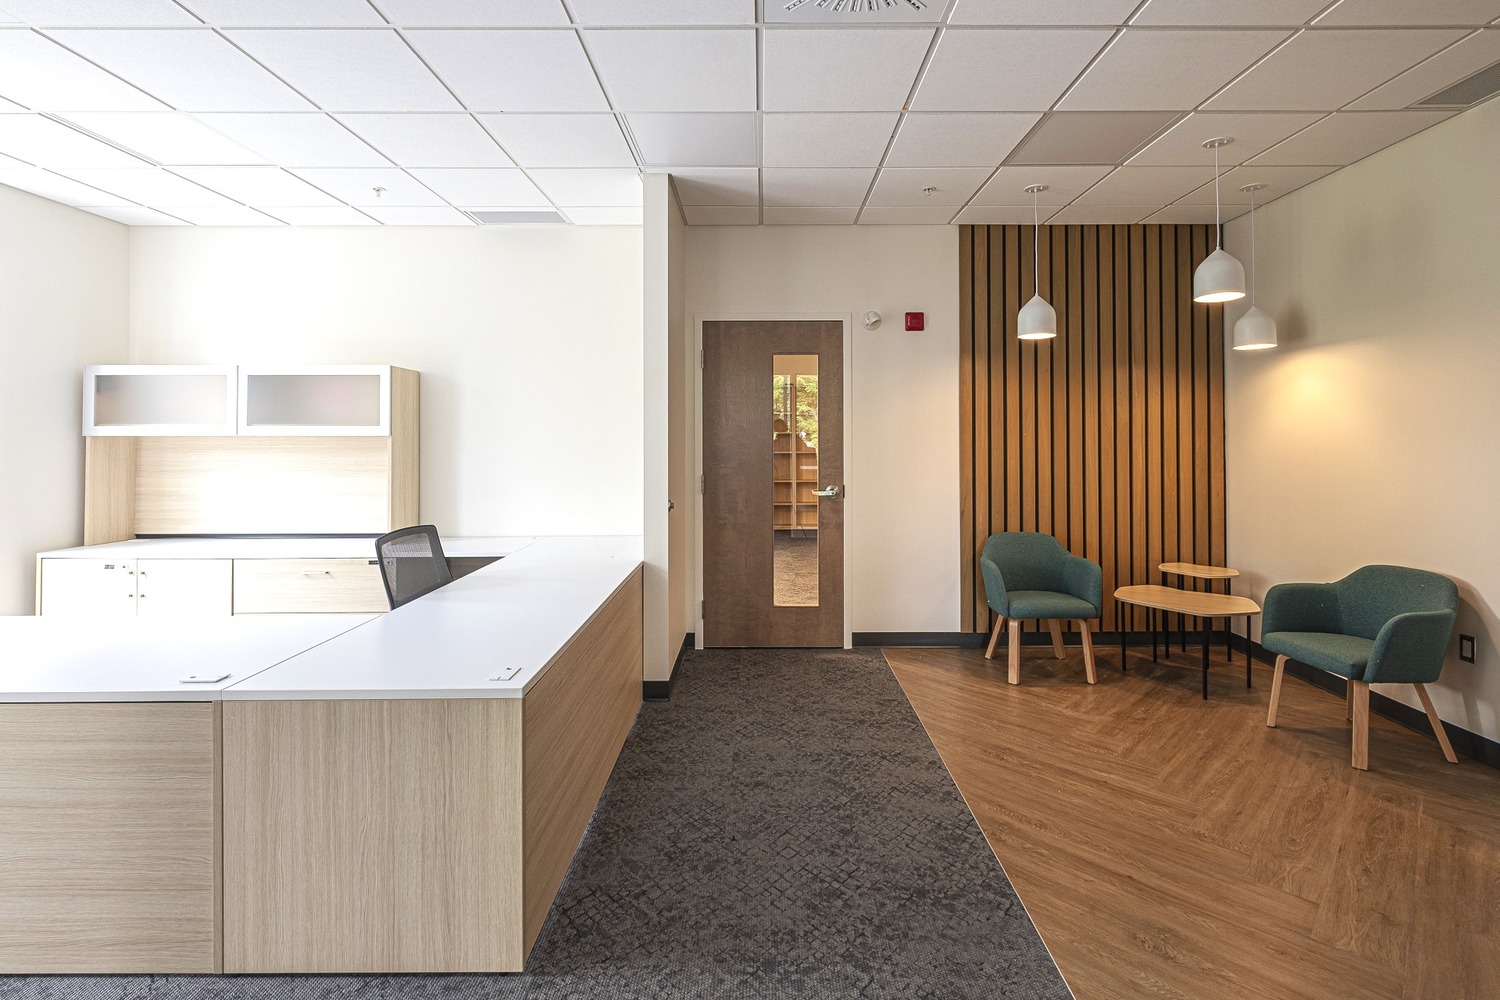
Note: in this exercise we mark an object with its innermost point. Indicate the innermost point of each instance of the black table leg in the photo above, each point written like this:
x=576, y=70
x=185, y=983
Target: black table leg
x=1228, y=635
x=1247, y=651
x=1124, y=633
x=1151, y=622
x=1205, y=623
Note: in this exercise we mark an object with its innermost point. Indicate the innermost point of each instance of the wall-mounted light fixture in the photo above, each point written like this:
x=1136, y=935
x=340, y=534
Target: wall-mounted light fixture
x=1220, y=278
x=871, y=320
x=1037, y=319
x=1256, y=330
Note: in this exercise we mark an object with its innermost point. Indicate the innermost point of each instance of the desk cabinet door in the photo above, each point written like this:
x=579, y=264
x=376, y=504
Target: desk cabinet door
x=88, y=588
x=183, y=588
x=294, y=586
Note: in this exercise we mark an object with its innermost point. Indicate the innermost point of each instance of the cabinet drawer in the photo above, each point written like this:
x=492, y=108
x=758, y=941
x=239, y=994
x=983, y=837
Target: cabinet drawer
x=291, y=586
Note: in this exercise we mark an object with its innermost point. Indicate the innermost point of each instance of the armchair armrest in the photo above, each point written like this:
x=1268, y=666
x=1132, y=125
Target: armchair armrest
x=1301, y=607
x=1409, y=648
x=994, y=586
x=1085, y=581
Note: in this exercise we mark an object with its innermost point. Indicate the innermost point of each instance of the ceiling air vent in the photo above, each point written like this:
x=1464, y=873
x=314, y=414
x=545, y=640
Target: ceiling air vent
x=517, y=218
x=1467, y=92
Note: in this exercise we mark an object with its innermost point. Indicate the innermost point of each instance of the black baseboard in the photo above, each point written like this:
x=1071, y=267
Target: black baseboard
x=1481, y=748
x=662, y=690
x=978, y=640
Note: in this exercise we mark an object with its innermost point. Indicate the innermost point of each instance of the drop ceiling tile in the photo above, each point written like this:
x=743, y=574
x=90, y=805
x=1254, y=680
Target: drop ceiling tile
x=226, y=215
x=43, y=75
x=1430, y=13
x=906, y=186
x=990, y=215
x=1252, y=133
x=513, y=71
x=305, y=215
x=9, y=107
x=1102, y=215
x=671, y=12
x=135, y=215
x=980, y=139
x=473, y=188
x=56, y=187
x=1217, y=13
x=1324, y=70
x=349, y=69
x=45, y=143
x=420, y=216
x=605, y=216
x=1042, y=11
x=786, y=187
x=1129, y=75
x=1278, y=181
x=1455, y=63
x=286, y=13
x=429, y=140
x=710, y=70
x=1146, y=185
x=358, y=187
x=99, y=13
x=841, y=69
x=701, y=139
x=257, y=185
x=310, y=140
x=722, y=215
x=1090, y=136
x=966, y=73
x=590, y=188
x=151, y=186
x=1345, y=137
x=190, y=70
x=8, y=162
x=561, y=140
x=1008, y=186
x=717, y=187
x=1193, y=215
x=826, y=140
x=165, y=136
x=474, y=13
x=907, y=215
x=810, y=216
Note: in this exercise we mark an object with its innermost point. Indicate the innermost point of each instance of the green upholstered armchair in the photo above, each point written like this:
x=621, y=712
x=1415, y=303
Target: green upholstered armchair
x=1030, y=575
x=1378, y=625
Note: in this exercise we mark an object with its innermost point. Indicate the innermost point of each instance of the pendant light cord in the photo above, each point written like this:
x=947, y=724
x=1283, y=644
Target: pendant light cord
x=1254, y=270
x=1218, y=221
x=1036, y=253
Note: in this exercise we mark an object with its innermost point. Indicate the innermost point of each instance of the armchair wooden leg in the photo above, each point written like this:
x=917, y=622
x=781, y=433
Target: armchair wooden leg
x=1437, y=724
x=1088, y=651
x=1349, y=701
x=1276, y=691
x=989, y=654
x=1015, y=653
x=1360, y=757
x=1057, y=645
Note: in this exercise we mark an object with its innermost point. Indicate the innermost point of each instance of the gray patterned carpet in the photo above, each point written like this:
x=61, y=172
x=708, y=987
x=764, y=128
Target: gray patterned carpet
x=782, y=828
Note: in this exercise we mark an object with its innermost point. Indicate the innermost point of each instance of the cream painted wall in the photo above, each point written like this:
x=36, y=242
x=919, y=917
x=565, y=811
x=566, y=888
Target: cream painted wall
x=63, y=288
x=901, y=517
x=528, y=341
x=1372, y=434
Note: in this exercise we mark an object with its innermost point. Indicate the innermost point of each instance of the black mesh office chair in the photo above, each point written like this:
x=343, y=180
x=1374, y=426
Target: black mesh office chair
x=411, y=563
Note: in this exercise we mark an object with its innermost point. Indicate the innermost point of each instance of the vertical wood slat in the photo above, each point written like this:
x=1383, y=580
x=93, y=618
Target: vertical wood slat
x=1111, y=437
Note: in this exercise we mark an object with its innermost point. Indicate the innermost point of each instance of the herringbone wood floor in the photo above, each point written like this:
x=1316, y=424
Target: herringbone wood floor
x=1171, y=847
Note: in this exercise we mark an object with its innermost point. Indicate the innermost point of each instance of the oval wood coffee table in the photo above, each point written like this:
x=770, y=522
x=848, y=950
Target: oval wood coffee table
x=1194, y=604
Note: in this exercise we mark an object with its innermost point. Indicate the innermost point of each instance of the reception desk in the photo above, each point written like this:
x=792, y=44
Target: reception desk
x=315, y=793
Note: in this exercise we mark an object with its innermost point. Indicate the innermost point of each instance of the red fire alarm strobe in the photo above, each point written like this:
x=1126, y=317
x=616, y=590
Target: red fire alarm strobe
x=916, y=322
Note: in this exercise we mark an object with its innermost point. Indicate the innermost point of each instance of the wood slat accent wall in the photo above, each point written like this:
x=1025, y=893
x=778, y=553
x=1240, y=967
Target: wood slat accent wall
x=1111, y=437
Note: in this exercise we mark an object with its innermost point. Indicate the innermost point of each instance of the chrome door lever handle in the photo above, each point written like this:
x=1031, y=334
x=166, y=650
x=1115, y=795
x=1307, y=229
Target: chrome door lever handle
x=831, y=492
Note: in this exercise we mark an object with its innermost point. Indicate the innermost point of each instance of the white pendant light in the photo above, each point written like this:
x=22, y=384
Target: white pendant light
x=1220, y=278
x=1037, y=320
x=1256, y=330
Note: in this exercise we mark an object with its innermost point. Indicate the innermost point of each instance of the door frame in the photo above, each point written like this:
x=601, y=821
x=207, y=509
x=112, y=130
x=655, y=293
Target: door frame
x=846, y=320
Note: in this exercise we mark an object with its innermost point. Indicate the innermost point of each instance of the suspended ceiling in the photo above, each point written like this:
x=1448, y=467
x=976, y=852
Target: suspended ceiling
x=420, y=112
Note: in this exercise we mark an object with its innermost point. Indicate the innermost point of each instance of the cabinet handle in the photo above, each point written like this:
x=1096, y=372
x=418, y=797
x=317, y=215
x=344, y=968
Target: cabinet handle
x=315, y=572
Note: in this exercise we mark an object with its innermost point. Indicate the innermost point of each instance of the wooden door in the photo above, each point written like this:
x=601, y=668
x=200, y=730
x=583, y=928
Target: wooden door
x=773, y=547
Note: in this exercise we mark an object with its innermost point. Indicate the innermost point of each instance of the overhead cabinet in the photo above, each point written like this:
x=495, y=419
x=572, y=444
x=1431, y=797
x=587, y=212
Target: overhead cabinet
x=138, y=400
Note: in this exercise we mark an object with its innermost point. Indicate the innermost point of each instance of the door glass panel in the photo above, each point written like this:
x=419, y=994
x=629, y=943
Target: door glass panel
x=794, y=463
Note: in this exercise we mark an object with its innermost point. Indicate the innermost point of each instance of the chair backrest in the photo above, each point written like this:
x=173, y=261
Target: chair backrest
x=1373, y=595
x=411, y=563
x=1028, y=560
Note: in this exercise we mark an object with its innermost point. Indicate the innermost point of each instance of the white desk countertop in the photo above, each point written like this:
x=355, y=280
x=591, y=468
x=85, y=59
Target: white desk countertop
x=305, y=547
x=145, y=659
x=508, y=620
